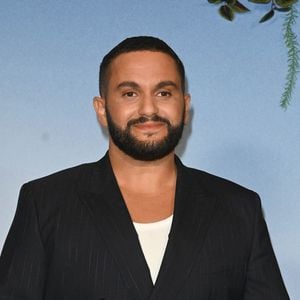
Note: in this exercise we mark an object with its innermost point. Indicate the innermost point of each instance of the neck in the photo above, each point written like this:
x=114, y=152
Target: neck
x=142, y=175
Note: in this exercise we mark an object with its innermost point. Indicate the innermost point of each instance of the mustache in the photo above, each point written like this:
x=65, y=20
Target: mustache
x=154, y=118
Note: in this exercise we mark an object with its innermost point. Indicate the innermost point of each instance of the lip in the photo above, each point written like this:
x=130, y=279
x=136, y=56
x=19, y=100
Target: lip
x=149, y=126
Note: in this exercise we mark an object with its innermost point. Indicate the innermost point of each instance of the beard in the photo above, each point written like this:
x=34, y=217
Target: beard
x=145, y=150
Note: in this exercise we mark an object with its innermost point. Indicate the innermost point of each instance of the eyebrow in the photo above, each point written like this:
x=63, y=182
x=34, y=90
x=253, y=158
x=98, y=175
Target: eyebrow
x=134, y=85
x=166, y=83
x=130, y=84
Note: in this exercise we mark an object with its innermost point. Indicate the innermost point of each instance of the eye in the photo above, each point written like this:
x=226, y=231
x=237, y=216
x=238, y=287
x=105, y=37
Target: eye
x=129, y=94
x=164, y=94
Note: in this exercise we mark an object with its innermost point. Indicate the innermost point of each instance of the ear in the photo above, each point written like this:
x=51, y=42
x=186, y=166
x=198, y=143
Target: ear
x=99, y=106
x=187, y=101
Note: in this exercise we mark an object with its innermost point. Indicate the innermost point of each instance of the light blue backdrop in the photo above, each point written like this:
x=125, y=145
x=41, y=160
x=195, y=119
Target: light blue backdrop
x=49, y=57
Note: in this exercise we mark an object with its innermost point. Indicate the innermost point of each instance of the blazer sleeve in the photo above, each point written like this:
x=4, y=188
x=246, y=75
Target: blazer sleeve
x=264, y=281
x=22, y=262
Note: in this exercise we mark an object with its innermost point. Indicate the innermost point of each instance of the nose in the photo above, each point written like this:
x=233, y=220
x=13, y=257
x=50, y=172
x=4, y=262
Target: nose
x=148, y=106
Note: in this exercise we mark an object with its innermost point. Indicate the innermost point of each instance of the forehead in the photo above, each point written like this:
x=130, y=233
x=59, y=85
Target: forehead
x=144, y=65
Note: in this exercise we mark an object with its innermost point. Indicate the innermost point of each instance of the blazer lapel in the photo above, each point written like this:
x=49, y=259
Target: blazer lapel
x=102, y=197
x=194, y=209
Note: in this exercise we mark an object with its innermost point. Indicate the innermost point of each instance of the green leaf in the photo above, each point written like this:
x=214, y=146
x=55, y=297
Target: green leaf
x=293, y=48
x=282, y=9
x=285, y=3
x=226, y=12
x=214, y=1
x=260, y=1
x=267, y=16
x=231, y=2
x=239, y=7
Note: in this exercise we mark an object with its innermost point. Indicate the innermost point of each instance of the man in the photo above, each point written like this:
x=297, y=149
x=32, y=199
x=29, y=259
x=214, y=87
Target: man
x=138, y=224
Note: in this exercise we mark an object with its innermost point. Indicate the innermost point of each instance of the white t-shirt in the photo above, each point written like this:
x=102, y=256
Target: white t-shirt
x=153, y=238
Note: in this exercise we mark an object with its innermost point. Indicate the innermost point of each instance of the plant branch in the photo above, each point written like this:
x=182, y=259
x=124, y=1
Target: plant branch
x=290, y=39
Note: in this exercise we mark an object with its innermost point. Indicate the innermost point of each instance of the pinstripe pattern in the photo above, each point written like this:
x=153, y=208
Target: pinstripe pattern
x=72, y=238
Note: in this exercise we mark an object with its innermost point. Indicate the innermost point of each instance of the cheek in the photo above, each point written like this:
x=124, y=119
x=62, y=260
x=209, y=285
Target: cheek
x=174, y=114
x=121, y=117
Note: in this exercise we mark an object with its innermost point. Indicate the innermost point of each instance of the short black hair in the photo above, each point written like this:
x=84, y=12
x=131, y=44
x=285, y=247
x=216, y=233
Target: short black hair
x=132, y=44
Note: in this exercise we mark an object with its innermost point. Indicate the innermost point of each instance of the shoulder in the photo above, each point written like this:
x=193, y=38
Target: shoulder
x=62, y=186
x=213, y=183
x=234, y=203
x=216, y=183
x=72, y=175
x=57, y=194
x=61, y=178
x=226, y=191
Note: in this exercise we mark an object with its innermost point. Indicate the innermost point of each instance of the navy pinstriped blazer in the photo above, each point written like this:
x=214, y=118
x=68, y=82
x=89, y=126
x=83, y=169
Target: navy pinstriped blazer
x=72, y=238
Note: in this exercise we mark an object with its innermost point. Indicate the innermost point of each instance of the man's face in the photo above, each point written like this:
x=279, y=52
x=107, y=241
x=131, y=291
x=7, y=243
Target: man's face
x=144, y=106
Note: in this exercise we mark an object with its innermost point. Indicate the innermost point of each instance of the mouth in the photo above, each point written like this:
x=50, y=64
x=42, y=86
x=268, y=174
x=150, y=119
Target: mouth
x=150, y=126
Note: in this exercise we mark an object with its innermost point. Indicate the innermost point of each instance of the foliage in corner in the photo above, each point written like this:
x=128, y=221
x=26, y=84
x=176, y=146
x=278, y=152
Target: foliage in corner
x=228, y=9
x=292, y=45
